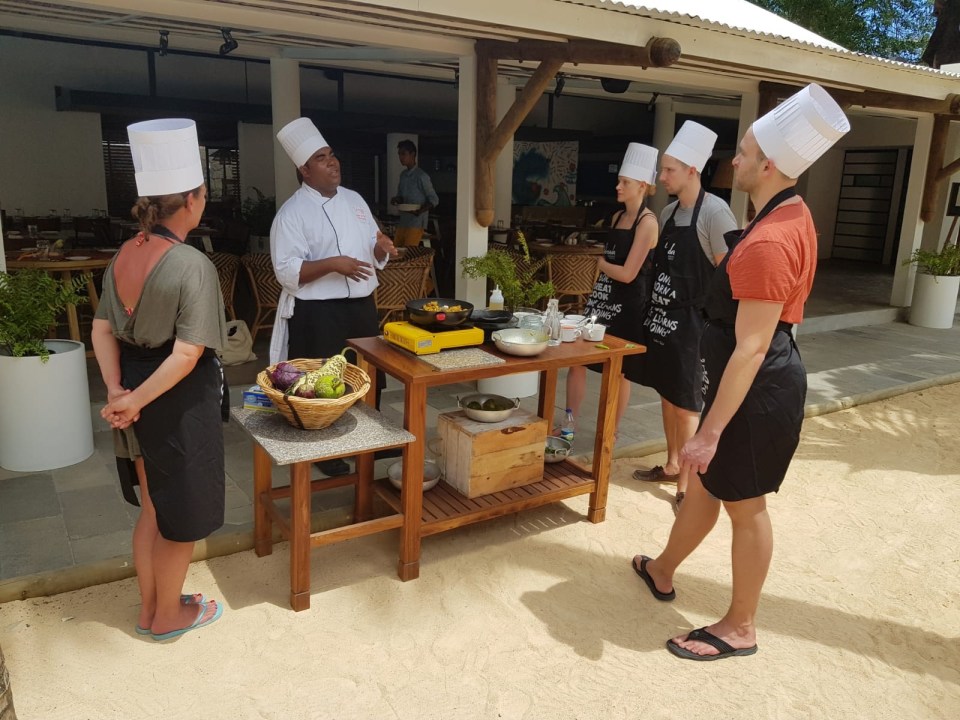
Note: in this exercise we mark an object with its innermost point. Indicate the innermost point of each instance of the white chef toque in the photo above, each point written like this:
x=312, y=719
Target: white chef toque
x=800, y=129
x=693, y=145
x=166, y=156
x=640, y=163
x=300, y=140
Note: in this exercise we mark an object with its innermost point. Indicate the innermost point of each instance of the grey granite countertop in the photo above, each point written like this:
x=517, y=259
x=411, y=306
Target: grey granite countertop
x=359, y=429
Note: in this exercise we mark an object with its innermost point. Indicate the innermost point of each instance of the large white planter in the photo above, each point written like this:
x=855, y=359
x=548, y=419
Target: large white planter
x=45, y=409
x=934, y=301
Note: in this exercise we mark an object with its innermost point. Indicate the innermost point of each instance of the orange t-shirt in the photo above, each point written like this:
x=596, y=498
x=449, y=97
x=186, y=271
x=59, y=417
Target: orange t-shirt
x=777, y=260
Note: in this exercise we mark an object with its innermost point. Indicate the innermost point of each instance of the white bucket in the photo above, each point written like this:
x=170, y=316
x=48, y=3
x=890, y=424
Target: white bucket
x=518, y=385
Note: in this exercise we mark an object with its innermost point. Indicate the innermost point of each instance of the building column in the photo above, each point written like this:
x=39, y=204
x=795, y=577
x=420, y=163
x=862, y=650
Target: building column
x=911, y=232
x=285, y=102
x=471, y=237
x=749, y=107
x=664, y=121
x=503, y=172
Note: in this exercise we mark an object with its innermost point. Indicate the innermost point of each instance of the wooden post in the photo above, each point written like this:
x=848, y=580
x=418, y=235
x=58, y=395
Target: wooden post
x=938, y=148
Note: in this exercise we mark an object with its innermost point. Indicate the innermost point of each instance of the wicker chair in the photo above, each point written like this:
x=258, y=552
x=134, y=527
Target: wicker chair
x=227, y=265
x=402, y=280
x=573, y=276
x=266, y=290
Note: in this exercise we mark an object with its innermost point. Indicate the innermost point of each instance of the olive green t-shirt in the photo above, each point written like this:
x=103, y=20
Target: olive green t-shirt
x=181, y=300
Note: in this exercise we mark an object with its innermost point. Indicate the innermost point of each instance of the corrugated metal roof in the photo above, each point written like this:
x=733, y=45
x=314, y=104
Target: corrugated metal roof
x=731, y=14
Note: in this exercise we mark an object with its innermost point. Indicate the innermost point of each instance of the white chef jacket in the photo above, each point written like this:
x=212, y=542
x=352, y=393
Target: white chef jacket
x=310, y=226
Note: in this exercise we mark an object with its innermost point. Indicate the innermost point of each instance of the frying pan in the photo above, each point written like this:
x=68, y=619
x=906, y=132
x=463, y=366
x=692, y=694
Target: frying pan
x=418, y=316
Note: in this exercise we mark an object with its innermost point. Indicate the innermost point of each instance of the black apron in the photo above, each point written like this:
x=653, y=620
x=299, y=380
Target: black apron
x=180, y=435
x=756, y=447
x=621, y=306
x=682, y=272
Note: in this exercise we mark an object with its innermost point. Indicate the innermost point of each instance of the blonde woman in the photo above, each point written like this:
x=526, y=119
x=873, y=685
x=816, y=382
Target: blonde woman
x=155, y=334
x=622, y=292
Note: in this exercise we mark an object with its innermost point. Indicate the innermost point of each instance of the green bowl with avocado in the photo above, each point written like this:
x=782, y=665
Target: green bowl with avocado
x=484, y=407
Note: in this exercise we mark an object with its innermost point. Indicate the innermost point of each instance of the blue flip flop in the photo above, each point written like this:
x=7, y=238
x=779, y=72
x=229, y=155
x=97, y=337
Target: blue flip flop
x=196, y=623
x=184, y=600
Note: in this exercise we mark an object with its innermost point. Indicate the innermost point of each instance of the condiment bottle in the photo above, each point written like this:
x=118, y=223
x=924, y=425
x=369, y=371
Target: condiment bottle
x=496, y=299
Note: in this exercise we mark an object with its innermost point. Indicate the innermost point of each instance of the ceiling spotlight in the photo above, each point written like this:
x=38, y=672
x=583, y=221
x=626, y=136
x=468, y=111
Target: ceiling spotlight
x=229, y=44
x=558, y=88
x=164, y=42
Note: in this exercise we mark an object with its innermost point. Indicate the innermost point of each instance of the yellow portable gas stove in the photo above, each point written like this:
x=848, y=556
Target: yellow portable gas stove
x=426, y=341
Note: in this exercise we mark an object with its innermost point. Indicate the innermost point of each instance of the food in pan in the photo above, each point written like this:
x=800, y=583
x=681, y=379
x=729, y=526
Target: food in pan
x=434, y=306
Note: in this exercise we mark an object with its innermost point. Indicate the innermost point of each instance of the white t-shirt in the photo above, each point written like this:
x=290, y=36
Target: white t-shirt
x=715, y=219
x=310, y=226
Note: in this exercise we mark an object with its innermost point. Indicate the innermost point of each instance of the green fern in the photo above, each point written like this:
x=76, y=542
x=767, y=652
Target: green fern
x=30, y=301
x=520, y=287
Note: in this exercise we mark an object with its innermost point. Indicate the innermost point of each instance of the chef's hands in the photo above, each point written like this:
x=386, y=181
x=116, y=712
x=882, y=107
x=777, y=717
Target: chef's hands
x=351, y=268
x=385, y=245
x=698, y=452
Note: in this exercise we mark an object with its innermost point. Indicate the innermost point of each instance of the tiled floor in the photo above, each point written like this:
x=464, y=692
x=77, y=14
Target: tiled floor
x=75, y=515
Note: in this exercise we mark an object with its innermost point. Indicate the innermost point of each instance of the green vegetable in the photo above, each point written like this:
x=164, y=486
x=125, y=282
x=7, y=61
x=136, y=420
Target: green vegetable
x=473, y=405
x=329, y=387
x=490, y=404
x=601, y=346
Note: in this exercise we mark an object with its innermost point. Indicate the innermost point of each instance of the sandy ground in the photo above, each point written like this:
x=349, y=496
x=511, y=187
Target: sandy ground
x=540, y=615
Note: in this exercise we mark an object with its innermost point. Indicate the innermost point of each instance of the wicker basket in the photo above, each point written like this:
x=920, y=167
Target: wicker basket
x=317, y=413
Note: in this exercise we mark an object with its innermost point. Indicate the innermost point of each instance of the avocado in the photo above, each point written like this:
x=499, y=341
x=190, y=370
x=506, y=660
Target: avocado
x=490, y=404
x=473, y=405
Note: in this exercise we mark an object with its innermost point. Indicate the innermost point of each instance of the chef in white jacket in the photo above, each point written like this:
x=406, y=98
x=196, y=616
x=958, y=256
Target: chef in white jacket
x=325, y=246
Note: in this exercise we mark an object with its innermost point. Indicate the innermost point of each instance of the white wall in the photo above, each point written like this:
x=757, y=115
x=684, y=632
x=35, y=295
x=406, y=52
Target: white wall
x=256, y=159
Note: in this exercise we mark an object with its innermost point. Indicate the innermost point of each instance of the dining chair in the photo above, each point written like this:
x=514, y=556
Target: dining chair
x=266, y=290
x=227, y=265
x=573, y=276
x=402, y=280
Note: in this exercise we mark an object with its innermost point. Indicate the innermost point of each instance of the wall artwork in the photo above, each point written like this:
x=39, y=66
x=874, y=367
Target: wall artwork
x=545, y=173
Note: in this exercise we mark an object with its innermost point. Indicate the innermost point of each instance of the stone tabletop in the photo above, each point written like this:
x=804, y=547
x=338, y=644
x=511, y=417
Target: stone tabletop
x=359, y=429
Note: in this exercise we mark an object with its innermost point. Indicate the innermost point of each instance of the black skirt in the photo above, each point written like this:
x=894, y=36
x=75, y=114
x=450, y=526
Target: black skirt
x=756, y=447
x=180, y=435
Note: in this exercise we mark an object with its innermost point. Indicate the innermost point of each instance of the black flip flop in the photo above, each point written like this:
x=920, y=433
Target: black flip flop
x=724, y=649
x=641, y=570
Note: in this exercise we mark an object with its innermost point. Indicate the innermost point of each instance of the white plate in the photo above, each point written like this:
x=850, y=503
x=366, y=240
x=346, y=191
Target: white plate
x=78, y=257
x=112, y=251
x=408, y=207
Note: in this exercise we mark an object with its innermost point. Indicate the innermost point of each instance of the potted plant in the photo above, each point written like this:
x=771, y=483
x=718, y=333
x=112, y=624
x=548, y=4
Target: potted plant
x=258, y=214
x=519, y=284
x=45, y=420
x=936, y=287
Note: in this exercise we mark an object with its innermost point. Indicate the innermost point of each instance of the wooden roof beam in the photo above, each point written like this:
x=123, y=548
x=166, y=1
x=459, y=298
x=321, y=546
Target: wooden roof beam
x=493, y=137
x=950, y=105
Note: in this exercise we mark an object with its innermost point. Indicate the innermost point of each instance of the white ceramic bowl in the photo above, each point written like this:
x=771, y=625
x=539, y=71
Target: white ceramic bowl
x=520, y=341
x=431, y=474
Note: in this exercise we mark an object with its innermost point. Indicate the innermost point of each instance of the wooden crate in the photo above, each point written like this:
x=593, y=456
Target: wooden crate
x=483, y=458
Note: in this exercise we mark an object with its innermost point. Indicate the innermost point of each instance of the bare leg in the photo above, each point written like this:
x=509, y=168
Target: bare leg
x=693, y=523
x=576, y=389
x=145, y=535
x=685, y=427
x=751, y=550
x=170, y=562
x=672, y=466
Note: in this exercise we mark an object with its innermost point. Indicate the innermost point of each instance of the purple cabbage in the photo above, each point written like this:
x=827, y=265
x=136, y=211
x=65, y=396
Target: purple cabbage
x=284, y=375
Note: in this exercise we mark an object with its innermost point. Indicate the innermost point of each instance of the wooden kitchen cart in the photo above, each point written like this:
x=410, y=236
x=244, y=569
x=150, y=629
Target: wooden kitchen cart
x=443, y=508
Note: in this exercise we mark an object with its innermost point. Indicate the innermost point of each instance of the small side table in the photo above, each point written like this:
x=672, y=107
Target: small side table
x=360, y=431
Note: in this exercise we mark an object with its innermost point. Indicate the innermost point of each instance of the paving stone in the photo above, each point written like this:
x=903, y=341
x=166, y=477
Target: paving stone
x=102, y=547
x=27, y=497
x=33, y=546
x=95, y=511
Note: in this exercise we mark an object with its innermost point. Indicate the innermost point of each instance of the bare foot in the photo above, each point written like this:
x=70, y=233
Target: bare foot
x=146, y=616
x=189, y=615
x=738, y=638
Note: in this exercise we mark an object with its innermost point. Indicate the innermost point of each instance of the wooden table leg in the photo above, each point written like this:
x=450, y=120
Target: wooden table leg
x=411, y=495
x=72, y=319
x=603, y=445
x=363, y=492
x=300, y=536
x=262, y=483
x=548, y=397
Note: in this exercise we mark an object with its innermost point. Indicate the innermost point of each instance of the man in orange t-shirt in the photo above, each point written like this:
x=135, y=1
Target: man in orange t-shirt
x=754, y=381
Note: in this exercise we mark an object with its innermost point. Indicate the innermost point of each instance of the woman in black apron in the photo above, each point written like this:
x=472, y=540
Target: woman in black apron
x=674, y=323
x=620, y=304
x=155, y=333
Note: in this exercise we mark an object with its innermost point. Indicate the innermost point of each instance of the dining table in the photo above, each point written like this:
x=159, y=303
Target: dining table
x=64, y=266
x=443, y=508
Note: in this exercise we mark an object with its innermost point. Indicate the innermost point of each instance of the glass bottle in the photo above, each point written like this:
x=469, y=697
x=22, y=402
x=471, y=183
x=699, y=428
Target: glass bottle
x=551, y=321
